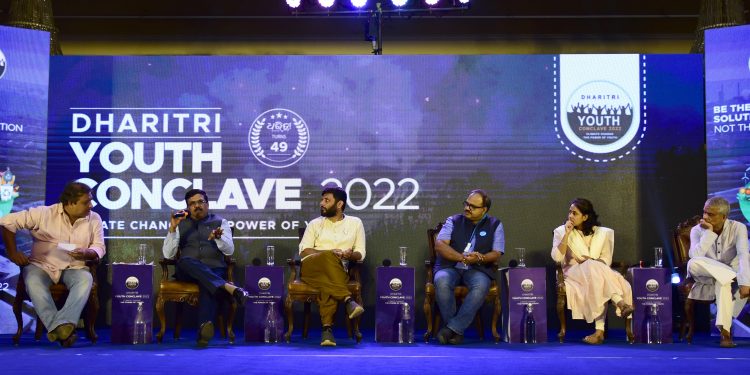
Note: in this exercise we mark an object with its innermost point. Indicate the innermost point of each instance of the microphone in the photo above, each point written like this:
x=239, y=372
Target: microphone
x=181, y=213
x=386, y=262
x=256, y=262
x=513, y=263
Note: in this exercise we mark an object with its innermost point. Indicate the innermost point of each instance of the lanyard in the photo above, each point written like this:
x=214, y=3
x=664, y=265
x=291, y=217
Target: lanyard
x=474, y=232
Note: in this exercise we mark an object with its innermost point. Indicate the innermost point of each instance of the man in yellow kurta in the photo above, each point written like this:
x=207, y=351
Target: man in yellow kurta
x=329, y=243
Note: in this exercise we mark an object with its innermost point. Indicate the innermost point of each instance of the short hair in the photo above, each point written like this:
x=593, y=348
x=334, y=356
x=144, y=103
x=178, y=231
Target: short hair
x=486, y=201
x=338, y=193
x=192, y=192
x=587, y=208
x=73, y=191
x=720, y=203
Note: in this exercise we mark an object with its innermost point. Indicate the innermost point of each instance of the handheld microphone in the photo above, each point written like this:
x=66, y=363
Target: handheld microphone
x=386, y=262
x=180, y=214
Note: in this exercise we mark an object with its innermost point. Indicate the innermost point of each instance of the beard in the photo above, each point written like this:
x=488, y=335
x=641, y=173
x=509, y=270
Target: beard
x=328, y=212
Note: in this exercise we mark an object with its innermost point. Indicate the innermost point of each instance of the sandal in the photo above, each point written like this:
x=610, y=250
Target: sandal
x=593, y=339
x=626, y=310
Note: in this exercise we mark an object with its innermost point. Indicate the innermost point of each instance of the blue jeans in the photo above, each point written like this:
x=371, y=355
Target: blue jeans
x=210, y=281
x=38, y=282
x=446, y=281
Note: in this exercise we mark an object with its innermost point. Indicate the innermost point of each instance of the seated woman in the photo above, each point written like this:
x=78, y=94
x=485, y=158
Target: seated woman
x=585, y=251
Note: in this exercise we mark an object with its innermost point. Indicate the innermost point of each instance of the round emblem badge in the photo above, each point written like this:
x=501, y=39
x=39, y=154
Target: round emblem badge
x=3, y=64
x=395, y=284
x=132, y=282
x=278, y=138
x=602, y=121
x=527, y=285
x=264, y=283
x=652, y=285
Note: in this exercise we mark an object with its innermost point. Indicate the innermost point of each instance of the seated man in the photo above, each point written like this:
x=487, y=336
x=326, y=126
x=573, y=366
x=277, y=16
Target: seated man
x=468, y=247
x=718, y=255
x=58, y=229
x=329, y=241
x=203, y=239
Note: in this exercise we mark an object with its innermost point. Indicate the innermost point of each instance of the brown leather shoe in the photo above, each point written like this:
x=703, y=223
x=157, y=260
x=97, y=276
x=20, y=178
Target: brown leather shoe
x=61, y=332
x=726, y=339
x=68, y=342
x=205, y=334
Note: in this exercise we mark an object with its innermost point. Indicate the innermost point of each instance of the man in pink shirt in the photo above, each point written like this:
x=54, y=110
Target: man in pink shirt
x=66, y=234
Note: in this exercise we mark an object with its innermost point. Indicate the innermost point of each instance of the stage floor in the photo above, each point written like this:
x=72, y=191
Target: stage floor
x=306, y=356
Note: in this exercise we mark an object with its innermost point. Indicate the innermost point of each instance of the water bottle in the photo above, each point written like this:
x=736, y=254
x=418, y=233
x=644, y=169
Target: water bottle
x=139, y=326
x=529, y=336
x=269, y=327
x=653, y=326
x=405, y=331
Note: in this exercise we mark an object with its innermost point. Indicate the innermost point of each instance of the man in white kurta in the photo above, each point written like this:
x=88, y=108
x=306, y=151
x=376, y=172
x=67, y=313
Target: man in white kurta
x=718, y=256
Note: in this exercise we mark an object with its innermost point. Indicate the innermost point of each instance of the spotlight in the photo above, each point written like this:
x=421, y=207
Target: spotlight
x=293, y=3
x=463, y=1
x=326, y=3
x=431, y=2
x=399, y=3
x=359, y=3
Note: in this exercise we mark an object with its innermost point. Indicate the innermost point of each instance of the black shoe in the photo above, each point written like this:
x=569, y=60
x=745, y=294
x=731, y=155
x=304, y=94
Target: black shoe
x=327, y=338
x=205, y=334
x=445, y=335
x=456, y=339
x=241, y=296
x=353, y=309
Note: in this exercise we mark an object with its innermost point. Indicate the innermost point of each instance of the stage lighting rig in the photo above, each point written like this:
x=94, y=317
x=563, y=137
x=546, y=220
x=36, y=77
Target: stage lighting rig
x=339, y=7
x=375, y=10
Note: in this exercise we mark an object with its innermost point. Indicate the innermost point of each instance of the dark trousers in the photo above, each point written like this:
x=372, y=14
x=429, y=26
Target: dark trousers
x=210, y=282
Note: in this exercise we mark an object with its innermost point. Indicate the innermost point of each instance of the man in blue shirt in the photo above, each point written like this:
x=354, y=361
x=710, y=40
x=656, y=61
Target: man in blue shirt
x=468, y=248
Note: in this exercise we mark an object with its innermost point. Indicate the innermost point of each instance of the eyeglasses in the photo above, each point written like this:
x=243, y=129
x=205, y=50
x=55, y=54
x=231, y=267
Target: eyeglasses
x=471, y=206
x=199, y=202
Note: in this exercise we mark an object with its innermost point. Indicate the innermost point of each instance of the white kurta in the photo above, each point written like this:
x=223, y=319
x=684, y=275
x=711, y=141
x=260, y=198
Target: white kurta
x=716, y=260
x=590, y=285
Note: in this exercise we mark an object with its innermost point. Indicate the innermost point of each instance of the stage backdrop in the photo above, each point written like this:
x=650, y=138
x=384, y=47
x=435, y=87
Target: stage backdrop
x=407, y=136
x=24, y=75
x=728, y=117
x=728, y=124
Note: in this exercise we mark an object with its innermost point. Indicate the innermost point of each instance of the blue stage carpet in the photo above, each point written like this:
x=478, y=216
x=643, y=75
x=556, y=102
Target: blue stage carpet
x=305, y=356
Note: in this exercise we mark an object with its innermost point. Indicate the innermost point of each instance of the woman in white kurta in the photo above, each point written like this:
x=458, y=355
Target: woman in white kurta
x=585, y=251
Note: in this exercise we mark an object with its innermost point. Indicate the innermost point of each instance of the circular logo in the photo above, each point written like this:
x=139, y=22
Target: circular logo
x=527, y=285
x=3, y=64
x=395, y=284
x=278, y=138
x=264, y=283
x=652, y=285
x=132, y=282
x=602, y=121
x=8, y=176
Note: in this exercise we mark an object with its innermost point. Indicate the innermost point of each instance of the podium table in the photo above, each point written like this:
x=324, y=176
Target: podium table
x=395, y=287
x=131, y=283
x=519, y=288
x=265, y=284
x=651, y=286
